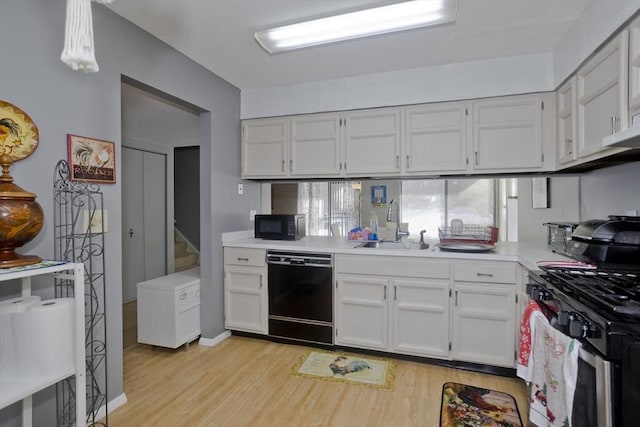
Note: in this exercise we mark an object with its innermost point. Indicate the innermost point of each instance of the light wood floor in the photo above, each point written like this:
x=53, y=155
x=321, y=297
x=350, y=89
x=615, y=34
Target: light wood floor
x=247, y=382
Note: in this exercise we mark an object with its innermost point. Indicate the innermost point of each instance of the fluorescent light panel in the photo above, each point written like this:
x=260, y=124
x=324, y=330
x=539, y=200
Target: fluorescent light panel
x=363, y=23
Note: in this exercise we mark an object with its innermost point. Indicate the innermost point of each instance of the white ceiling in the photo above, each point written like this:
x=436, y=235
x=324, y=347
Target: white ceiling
x=218, y=34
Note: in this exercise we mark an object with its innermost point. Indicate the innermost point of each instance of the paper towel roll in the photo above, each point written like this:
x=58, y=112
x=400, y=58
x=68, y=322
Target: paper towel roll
x=40, y=340
x=15, y=305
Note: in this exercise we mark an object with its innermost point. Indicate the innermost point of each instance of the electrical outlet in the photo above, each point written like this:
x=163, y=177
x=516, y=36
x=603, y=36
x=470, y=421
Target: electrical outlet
x=252, y=215
x=240, y=189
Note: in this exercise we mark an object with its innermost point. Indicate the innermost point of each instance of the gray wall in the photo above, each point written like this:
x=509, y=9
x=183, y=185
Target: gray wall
x=611, y=191
x=63, y=101
x=186, y=196
x=591, y=195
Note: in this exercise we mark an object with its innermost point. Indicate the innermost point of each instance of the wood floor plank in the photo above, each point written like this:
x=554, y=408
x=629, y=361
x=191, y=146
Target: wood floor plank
x=248, y=382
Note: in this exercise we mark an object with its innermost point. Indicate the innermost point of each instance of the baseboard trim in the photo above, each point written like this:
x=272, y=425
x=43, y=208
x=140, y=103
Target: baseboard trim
x=113, y=404
x=210, y=342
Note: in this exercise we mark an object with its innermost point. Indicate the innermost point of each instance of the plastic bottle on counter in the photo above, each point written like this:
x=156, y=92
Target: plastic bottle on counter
x=373, y=225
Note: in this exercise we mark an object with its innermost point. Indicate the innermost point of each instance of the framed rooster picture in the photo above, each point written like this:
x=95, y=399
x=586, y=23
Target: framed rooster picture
x=91, y=160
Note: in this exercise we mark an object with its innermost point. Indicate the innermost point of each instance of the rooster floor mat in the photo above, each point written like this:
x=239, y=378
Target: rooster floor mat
x=465, y=405
x=348, y=368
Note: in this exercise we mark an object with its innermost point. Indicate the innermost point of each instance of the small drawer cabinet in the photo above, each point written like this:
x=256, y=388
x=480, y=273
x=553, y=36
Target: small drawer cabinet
x=169, y=309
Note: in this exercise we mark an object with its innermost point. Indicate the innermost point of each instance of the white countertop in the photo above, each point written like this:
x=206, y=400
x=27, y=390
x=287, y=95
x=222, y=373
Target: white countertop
x=527, y=254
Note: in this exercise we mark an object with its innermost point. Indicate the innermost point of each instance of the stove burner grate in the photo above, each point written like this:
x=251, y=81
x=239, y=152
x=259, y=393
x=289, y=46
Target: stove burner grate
x=615, y=291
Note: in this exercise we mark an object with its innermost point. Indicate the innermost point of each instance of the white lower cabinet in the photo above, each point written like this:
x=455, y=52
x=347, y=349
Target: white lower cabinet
x=400, y=307
x=484, y=312
x=448, y=309
x=245, y=290
x=362, y=312
x=421, y=317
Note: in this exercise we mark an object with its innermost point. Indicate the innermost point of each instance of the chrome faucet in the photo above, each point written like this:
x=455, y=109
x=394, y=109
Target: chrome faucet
x=399, y=233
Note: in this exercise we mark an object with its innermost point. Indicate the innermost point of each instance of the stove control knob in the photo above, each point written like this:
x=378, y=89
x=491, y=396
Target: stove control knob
x=540, y=294
x=564, y=317
x=579, y=328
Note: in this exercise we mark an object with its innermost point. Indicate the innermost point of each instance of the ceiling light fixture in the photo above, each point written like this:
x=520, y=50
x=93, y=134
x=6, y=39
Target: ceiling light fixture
x=380, y=20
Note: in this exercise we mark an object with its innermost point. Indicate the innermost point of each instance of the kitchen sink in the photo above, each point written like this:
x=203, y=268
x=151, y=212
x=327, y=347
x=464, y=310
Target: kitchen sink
x=393, y=245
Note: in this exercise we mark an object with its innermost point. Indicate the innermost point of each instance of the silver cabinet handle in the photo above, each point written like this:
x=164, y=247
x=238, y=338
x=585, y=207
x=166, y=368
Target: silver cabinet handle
x=568, y=148
x=385, y=291
x=407, y=161
x=475, y=157
x=290, y=165
x=395, y=292
x=340, y=165
x=613, y=124
x=397, y=162
x=456, y=299
x=243, y=259
x=261, y=281
x=282, y=165
x=484, y=274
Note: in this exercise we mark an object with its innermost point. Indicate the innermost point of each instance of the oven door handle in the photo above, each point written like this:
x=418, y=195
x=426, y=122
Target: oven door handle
x=604, y=392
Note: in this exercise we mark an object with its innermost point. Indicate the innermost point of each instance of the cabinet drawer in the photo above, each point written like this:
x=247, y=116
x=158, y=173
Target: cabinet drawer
x=187, y=325
x=242, y=256
x=394, y=267
x=187, y=296
x=485, y=272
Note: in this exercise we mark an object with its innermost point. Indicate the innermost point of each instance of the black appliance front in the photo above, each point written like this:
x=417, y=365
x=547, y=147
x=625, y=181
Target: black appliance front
x=607, y=390
x=301, y=302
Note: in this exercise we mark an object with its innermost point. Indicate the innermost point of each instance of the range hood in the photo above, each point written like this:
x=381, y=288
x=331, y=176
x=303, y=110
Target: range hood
x=629, y=137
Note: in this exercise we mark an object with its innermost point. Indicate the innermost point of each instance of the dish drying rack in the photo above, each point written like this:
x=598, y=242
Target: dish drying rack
x=468, y=233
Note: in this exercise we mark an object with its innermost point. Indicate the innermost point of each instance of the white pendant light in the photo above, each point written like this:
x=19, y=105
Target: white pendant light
x=78, y=52
x=380, y=20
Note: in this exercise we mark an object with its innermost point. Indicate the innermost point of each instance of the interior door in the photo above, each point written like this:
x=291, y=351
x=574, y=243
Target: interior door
x=143, y=218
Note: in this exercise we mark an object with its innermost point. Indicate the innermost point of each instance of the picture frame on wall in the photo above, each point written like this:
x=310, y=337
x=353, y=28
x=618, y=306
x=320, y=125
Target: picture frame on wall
x=378, y=195
x=90, y=159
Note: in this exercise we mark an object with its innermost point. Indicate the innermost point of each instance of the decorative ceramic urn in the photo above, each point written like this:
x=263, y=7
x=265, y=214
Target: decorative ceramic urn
x=21, y=217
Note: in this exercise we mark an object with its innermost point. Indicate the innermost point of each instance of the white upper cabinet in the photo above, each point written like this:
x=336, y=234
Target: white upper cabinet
x=634, y=66
x=435, y=139
x=264, y=148
x=567, y=123
x=507, y=134
x=372, y=142
x=602, y=84
x=316, y=145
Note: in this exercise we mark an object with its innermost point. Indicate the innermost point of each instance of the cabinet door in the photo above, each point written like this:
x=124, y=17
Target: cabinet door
x=634, y=66
x=372, y=141
x=316, y=145
x=421, y=317
x=435, y=138
x=602, y=96
x=484, y=323
x=362, y=312
x=567, y=127
x=245, y=302
x=264, y=147
x=507, y=133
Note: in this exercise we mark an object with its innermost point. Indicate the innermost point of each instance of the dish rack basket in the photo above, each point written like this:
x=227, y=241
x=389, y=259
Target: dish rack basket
x=469, y=233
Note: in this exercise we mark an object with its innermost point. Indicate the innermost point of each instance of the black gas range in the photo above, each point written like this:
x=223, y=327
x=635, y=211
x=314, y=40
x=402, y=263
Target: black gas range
x=596, y=306
x=597, y=302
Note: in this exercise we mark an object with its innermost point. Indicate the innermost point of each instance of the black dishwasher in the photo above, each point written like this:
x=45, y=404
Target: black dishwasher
x=301, y=296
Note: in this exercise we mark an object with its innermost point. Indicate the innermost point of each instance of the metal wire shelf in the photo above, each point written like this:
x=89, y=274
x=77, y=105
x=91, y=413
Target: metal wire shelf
x=468, y=233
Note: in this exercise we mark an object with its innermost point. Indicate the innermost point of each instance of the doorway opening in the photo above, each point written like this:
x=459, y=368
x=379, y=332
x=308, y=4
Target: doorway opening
x=160, y=152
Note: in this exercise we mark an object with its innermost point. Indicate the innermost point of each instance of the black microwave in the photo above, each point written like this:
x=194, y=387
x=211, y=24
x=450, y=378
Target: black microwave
x=280, y=227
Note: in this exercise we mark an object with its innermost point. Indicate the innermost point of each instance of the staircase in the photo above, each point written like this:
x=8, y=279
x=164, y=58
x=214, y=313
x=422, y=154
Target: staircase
x=185, y=255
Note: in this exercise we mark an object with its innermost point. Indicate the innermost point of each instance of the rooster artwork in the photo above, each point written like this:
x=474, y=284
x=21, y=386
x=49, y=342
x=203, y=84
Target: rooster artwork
x=91, y=159
x=342, y=366
x=18, y=133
